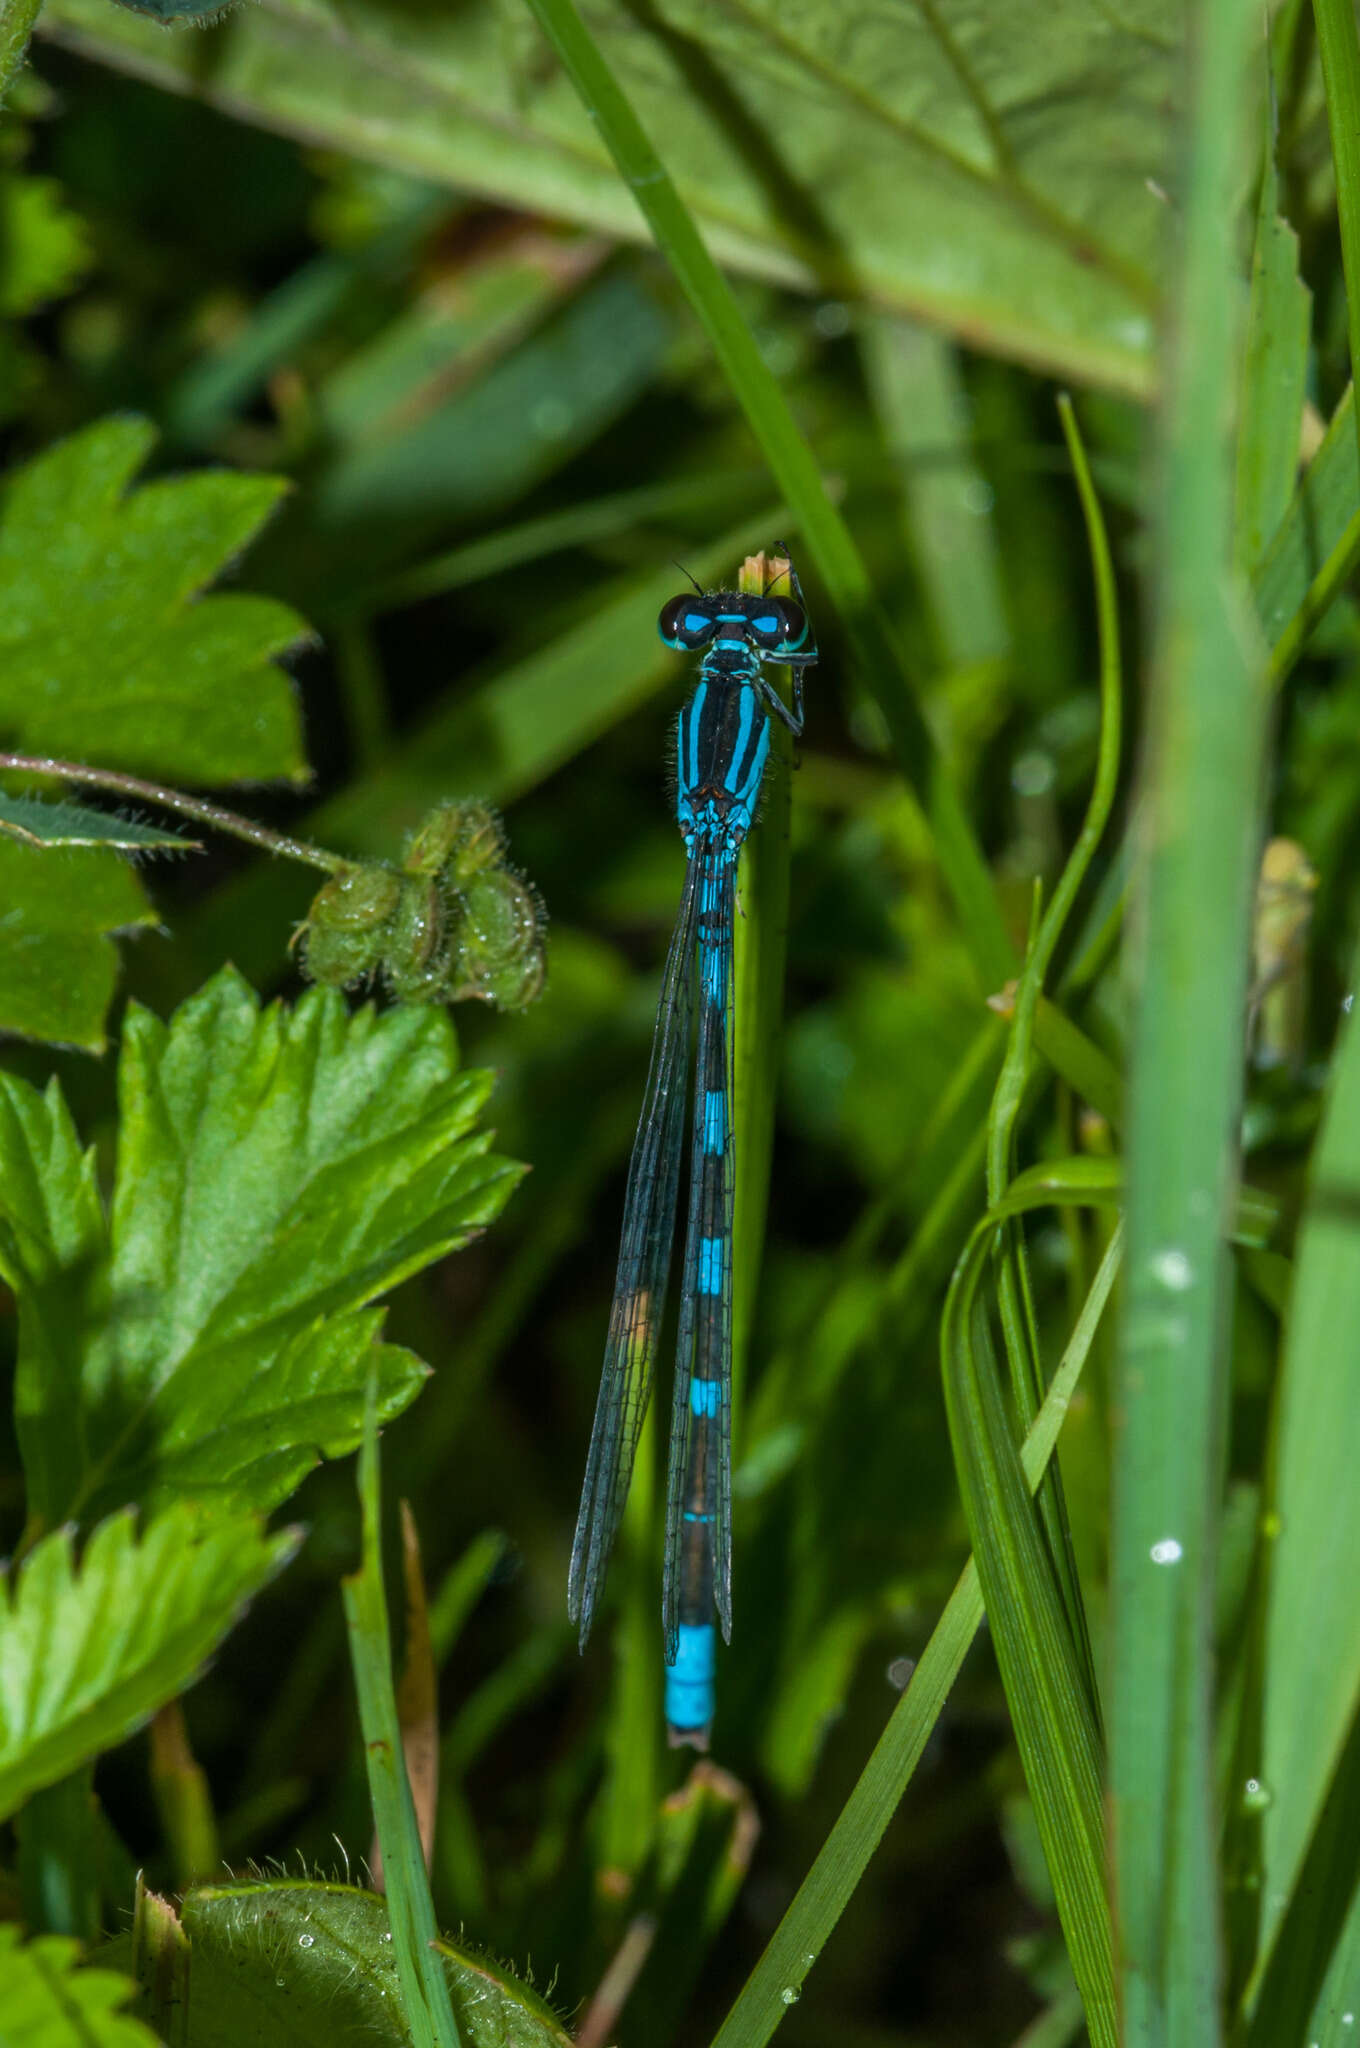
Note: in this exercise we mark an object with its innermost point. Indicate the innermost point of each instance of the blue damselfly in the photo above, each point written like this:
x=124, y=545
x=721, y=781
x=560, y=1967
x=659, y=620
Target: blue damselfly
x=723, y=740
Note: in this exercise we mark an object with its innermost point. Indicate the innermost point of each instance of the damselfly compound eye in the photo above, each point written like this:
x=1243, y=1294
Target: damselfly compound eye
x=686, y=622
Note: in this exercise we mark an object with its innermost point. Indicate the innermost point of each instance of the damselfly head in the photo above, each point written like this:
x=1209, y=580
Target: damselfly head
x=772, y=625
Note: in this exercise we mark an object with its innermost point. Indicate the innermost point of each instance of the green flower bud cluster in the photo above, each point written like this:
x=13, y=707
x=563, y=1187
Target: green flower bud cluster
x=454, y=922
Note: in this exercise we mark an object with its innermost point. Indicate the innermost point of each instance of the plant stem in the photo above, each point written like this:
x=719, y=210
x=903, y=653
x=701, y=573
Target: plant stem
x=230, y=822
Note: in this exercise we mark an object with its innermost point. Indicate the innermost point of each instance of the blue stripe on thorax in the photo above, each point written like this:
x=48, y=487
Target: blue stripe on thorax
x=733, y=779
x=690, y=719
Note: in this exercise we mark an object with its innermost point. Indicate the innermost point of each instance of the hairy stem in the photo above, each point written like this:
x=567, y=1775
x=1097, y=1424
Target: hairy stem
x=194, y=807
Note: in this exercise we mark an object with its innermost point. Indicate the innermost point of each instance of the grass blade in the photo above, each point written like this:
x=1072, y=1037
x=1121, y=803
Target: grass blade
x=425, y=1991
x=1201, y=826
x=1274, y=372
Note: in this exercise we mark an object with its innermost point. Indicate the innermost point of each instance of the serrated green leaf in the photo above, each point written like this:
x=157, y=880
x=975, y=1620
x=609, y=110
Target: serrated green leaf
x=107, y=651
x=35, y=823
x=58, y=966
x=277, y=1171
x=46, y=2001
x=88, y=1651
x=1025, y=148
x=43, y=249
x=304, y=1964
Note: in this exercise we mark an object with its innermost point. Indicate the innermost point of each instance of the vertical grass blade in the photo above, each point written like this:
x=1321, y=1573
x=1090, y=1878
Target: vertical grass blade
x=1013, y=1289
x=1200, y=831
x=425, y=1992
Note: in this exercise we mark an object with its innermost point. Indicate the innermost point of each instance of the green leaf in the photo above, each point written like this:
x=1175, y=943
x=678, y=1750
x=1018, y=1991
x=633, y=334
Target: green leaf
x=305, y=1964
x=1274, y=372
x=35, y=823
x=107, y=651
x=1311, y=1952
x=1024, y=144
x=58, y=966
x=277, y=1171
x=1313, y=1514
x=47, y=2002
x=1316, y=544
x=43, y=250
x=88, y=1652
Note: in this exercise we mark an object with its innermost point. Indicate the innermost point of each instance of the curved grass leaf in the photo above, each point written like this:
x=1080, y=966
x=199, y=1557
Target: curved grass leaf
x=277, y=1171
x=48, y=2002
x=108, y=652
x=89, y=1650
x=1019, y=145
x=1014, y=1294
x=306, y=1964
x=1045, y=1682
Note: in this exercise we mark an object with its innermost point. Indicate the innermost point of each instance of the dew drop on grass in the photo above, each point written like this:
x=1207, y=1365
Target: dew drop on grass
x=1173, y=1269
x=791, y=1993
x=1167, y=1551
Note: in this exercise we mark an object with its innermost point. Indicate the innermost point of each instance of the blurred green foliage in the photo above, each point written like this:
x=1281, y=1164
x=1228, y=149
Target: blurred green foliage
x=500, y=427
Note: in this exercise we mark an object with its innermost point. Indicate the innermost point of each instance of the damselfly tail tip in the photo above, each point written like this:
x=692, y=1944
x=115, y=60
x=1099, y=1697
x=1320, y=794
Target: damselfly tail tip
x=689, y=1738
